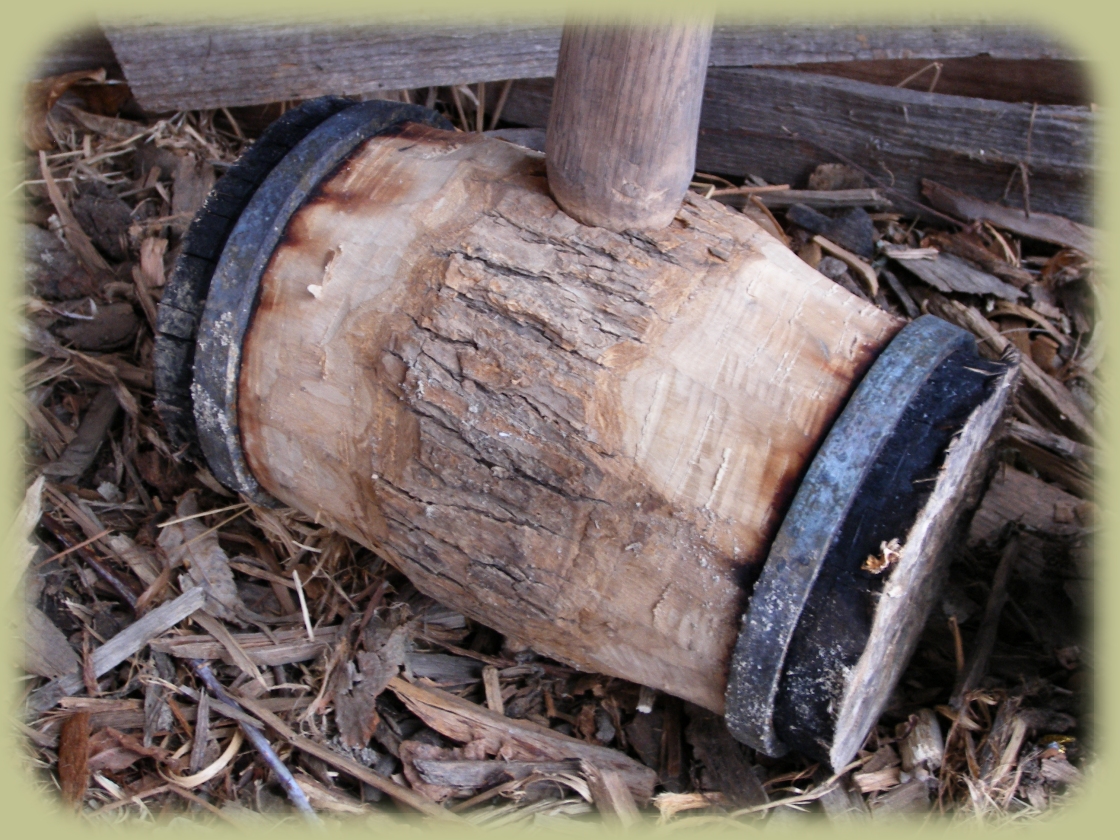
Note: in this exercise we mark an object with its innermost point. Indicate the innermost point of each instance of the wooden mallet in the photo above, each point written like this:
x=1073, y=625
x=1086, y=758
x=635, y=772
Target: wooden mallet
x=640, y=436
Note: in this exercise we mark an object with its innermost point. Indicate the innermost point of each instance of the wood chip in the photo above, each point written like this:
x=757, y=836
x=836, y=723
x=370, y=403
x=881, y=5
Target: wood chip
x=949, y=273
x=196, y=546
x=522, y=740
x=862, y=269
x=46, y=650
x=73, y=758
x=1042, y=226
x=120, y=647
x=334, y=800
x=883, y=779
x=493, y=689
x=237, y=654
x=201, y=733
x=1016, y=496
x=922, y=745
x=908, y=798
x=81, y=451
x=611, y=796
x=357, y=684
x=284, y=647
x=670, y=804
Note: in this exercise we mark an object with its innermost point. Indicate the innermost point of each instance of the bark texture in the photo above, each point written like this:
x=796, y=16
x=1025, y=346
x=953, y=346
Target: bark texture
x=583, y=439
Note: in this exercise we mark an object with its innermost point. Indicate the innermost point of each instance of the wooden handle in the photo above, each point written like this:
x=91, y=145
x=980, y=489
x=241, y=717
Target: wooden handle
x=621, y=144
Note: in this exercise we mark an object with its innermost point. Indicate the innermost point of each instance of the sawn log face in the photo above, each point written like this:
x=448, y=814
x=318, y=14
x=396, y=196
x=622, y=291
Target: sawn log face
x=583, y=439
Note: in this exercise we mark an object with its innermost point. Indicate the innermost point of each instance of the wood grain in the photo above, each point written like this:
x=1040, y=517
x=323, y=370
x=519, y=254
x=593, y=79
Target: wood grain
x=621, y=144
x=582, y=439
x=172, y=67
x=914, y=584
x=1042, y=80
x=780, y=124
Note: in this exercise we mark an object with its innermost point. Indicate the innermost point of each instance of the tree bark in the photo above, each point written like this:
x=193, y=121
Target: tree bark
x=583, y=439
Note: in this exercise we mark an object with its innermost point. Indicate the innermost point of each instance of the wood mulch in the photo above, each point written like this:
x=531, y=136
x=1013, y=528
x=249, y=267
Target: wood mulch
x=314, y=679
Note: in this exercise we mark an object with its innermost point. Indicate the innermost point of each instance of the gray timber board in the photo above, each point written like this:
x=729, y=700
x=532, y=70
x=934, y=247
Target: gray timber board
x=780, y=124
x=178, y=67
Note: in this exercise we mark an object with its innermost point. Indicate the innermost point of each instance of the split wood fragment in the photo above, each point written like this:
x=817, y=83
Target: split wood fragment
x=611, y=796
x=522, y=740
x=985, y=638
x=362, y=773
x=121, y=646
x=861, y=268
x=1046, y=227
x=73, y=758
x=949, y=273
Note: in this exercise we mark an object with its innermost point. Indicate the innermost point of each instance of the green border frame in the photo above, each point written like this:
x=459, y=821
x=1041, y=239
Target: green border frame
x=1088, y=26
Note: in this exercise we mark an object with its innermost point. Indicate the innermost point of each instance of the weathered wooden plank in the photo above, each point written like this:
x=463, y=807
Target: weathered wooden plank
x=741, y=46
x=780, y=124
x=83, y=49
x=179, y=67
x=1046, y=81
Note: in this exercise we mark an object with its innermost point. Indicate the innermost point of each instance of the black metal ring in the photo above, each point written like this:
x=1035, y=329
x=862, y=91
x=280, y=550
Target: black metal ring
x=184, y=296
x=809, y=615
x=235, y=284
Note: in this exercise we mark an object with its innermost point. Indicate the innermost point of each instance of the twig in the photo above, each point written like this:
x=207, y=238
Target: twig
x=986, y=636
x=179, y=519
x=82, y=550
x=459, y=107
x=936, y=65
x=752, y=190
x=256, y=737
x=347, y=765
x=71, y=547
x=303, y=606
x=501, y=103
x=864, y=270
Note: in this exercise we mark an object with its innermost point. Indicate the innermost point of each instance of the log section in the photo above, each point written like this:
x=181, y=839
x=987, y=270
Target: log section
x=583, y=439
